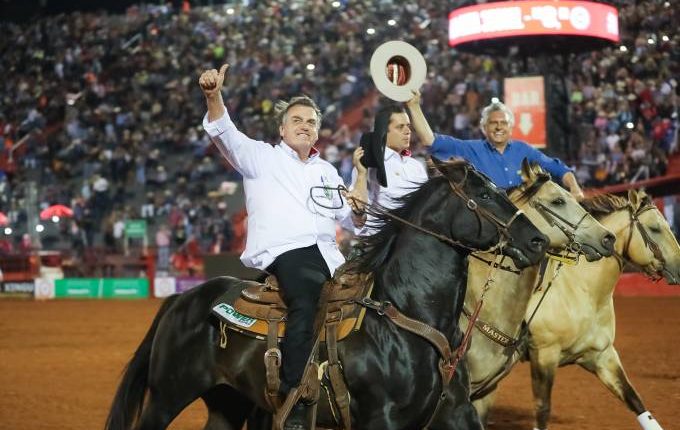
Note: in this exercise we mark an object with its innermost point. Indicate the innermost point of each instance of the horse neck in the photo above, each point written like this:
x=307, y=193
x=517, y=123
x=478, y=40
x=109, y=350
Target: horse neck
x=507, y=298
x=620, y=224
x=424, y=279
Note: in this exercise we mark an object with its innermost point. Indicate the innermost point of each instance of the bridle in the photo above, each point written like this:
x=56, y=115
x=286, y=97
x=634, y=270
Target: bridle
x=646, y=239
x=503, y=226
x=567, y=227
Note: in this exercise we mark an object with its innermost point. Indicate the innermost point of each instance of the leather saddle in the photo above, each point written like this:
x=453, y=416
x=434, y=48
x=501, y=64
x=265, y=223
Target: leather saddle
x=261, y=304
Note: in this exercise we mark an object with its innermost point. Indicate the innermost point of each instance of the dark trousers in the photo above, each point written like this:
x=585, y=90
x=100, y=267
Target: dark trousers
x=301, y=274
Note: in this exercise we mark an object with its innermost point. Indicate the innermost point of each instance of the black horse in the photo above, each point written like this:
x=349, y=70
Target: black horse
x=392, y=375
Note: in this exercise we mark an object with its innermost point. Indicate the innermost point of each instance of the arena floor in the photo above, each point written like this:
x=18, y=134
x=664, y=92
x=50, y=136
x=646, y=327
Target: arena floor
x=60, y=363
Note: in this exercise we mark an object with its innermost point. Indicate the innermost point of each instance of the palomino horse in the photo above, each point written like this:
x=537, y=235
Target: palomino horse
x=582, y=332
x=392, y=375
x=495, y=345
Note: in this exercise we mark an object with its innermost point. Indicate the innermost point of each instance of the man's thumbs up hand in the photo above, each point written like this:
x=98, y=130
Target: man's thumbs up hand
x=211, y=81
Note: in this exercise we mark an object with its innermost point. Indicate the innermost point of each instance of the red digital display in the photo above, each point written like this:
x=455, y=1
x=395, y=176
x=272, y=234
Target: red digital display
x=533, y=18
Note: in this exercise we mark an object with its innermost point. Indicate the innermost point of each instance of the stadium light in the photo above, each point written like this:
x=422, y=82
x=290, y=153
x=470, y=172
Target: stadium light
x=335, y=4
x=630, y=125
x=55, y=219
x=39, y=228
x=650, y=41
x=622, y=48
x=370, y=31
x=311, y=66
x=230, y=11
x=665, y=38
x=392, y=22
x=8, y=230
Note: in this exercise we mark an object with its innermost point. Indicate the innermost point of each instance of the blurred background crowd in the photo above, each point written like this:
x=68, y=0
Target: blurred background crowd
x=102, y=112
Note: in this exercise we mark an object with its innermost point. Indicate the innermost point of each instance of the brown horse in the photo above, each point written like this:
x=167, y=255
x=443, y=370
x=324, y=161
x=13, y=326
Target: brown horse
x=557, y=214
x=582, y=332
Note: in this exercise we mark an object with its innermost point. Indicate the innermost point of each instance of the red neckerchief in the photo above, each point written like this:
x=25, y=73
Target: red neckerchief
x=313, y=152
x=405, y=153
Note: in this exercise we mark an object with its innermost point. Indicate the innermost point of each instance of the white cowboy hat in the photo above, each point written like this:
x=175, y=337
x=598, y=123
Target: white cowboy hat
x=401, y=54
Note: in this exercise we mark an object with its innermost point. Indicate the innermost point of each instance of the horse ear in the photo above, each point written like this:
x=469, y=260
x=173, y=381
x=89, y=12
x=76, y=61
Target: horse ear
x=438, y=164
x=454, y=171
x=536, y=168
x=528, y=175
x=634, y=198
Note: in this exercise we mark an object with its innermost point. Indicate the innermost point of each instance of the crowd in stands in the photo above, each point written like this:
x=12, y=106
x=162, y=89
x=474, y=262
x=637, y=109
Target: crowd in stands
x=103, y=112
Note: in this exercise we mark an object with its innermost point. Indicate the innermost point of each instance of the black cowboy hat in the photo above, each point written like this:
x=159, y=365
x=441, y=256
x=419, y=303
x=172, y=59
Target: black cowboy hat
x=374, y=143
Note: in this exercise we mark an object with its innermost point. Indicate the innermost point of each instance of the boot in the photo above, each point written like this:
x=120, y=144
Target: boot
x=298, y=419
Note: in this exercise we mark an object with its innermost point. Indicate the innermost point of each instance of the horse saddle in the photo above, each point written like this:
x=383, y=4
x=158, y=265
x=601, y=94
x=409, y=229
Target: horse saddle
x=260, y=306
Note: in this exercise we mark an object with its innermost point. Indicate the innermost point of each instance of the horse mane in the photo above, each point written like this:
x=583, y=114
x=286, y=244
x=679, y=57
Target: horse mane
x=528, y=191
x=375, y=248
x=604, y=204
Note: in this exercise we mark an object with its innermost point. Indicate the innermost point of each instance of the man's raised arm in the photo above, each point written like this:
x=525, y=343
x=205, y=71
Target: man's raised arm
x=420, y=124
x=211, y=83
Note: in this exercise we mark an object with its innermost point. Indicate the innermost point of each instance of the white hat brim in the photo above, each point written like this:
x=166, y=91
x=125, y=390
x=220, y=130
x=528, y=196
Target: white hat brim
x=416, y=63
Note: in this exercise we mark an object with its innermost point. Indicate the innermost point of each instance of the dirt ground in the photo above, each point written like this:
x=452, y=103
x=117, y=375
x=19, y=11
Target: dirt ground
x=60, y=363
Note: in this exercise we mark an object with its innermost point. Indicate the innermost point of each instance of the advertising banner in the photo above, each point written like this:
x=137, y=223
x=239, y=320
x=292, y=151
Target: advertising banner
x=106, y=288
x=164, y=286
x=125, y=288
x=18, y=287
x=44, y=288
x=185, y=283
x=81, y=288
x=533, y=18
x=526, y=99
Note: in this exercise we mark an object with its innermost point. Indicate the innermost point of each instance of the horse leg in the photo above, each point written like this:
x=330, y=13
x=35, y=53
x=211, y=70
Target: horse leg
x=483, y=406
x=543, y=367
x=456, y=416
x=227, y=409
x=608, y=368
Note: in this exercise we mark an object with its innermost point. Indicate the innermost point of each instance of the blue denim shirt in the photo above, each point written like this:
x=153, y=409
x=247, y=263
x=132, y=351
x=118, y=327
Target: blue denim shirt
x=503, y=169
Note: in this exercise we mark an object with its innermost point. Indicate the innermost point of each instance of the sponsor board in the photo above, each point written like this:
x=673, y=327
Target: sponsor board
x=107, y=288
x=18, y=287
x=184, y=284
x=164, y=286
x=125, y=288
x=230, y=314
x=44, y=288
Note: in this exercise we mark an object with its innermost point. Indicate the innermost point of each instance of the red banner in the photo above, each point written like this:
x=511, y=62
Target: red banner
x=526, y=99
x=533, y=18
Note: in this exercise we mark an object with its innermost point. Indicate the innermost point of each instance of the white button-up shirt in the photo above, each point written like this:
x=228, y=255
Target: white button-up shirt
x=281, y=214
x=404, y=175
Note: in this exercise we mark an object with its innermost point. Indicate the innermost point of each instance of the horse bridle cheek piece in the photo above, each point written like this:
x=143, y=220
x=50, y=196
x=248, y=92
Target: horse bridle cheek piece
x=503, y=226
x=564, y=225
x=649, y=243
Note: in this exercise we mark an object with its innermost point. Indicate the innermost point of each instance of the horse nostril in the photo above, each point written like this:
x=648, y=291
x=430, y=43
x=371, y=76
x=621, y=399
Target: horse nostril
x=539, y=243
x=608, y=242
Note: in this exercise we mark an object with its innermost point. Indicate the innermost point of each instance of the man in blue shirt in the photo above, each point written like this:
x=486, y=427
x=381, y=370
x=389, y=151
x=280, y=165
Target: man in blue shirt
x=497, y=156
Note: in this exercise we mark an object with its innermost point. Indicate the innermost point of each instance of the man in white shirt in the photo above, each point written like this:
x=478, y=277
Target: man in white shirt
x=293, y=202
x=398, y=174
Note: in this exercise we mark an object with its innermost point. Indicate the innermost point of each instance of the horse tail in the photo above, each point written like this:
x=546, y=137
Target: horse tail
x=129, y=399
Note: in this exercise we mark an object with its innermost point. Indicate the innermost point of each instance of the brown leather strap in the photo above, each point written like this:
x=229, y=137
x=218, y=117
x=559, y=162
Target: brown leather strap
x=431, y=334
x=272, y=363
x=493, y=333
x=342, y=399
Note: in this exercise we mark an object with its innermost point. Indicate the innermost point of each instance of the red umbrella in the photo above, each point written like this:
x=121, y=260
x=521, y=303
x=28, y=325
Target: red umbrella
x=58, y=210
x=3, y=219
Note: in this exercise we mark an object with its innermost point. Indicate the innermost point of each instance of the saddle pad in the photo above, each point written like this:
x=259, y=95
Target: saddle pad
x=223, y=309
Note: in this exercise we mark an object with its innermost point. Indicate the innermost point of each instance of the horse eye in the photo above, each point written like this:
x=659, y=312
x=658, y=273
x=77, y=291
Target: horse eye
x=485, y=195
x=655, y=229
x=559, y=201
